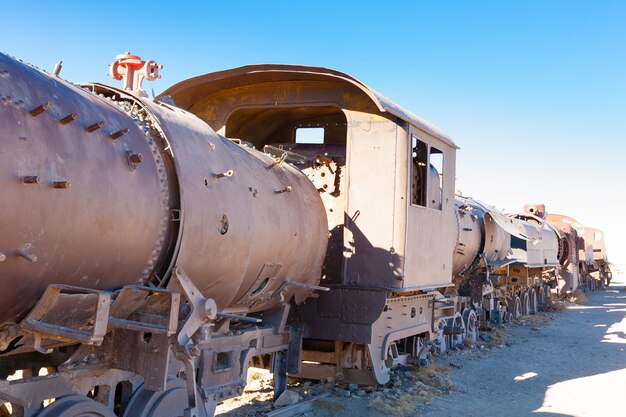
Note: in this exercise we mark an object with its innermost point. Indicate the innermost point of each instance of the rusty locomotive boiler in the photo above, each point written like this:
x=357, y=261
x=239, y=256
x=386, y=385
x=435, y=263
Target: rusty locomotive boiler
x=509, y=261
x=151, y=249
x=582, y=252
x=114, y=206
x=509, y=265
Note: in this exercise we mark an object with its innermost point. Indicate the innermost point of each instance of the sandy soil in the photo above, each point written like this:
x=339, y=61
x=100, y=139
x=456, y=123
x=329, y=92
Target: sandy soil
x=568, y=363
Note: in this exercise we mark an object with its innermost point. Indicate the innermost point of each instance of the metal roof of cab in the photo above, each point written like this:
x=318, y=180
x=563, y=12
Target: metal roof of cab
x=254, y=74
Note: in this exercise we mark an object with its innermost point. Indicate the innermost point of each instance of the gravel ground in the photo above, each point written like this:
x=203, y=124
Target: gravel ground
x=568, y=363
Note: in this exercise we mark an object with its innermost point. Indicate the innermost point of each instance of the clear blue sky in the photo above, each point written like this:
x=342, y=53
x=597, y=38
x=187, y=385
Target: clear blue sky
x=534, y=92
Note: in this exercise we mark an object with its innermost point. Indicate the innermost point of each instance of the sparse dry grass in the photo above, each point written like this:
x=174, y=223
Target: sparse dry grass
x=559, y=306
x=402, y=405
x=255, y=374
x=434, y=377
x=425, y=374
x=578, y=297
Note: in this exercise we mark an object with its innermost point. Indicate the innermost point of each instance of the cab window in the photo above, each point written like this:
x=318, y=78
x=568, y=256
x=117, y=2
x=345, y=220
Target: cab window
x=419, y=152
x=426, y=174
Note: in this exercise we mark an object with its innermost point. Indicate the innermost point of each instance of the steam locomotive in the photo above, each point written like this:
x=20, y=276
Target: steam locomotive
x=291, y=216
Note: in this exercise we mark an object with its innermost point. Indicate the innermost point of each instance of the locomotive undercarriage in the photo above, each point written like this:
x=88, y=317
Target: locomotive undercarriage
x=505, y=294
x=404, y=333
x=594, y=276
x=121, y=373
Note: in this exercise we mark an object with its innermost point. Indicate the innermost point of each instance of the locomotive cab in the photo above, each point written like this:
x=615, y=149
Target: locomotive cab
x=386, y=178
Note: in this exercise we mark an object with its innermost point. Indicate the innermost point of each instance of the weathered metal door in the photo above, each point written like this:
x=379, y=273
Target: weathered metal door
x=430, y=233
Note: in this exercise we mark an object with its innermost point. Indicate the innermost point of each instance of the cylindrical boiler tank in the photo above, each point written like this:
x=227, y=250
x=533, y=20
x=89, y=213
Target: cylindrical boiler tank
x=480, y=233
x=253, y=229
x=470, y=234
x=72, y=210
x=105, y=190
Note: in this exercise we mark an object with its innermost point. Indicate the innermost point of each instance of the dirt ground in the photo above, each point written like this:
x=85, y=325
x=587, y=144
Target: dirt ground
x=566, y=363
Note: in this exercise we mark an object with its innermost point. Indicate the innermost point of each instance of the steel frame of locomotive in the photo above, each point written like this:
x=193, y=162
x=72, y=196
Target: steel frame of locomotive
x=390, y=222
x=391, y=289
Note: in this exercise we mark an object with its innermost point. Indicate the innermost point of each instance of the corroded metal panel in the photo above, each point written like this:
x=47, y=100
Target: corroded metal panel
x=470, y=232
x=75, y=209
x=240, y=212
x=568, y=278
x=430, y=232
x=193, y=92
x=541, y=249
x=369, y=253
x=497, y=241
x=596, y=239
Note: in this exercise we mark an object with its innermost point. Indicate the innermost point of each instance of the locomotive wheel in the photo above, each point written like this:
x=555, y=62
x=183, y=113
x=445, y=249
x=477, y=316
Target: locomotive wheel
x=169, y=403
x=547, y=295
x=471, y=325
x=532, y=298
x=444, y=340
x=541, y=298
x=515, y=307
x=457, y=322
x=525, y=303
x=75, y=406
x=504, y=314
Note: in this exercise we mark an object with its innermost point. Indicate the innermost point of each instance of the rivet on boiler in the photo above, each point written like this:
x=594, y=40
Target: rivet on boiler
x=119, y=134
x=287, y=189
x=28, y=255
x=38, y=110
x=228, y=173
x=31, y=179
x=62, y=184
x=69, y=118
x=135, y=158
x=95, y=126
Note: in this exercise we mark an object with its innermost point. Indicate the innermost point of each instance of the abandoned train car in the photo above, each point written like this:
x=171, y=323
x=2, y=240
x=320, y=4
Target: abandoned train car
x=269, y=211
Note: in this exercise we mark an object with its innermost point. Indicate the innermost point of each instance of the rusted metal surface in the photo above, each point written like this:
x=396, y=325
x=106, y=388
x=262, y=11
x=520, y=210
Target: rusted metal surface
x=133, y=70
x=470, y=235
x=581, y=252
x=541, y=249
x=145, y=189
x=569, y=279
x=103, y=231
x=376, y=245
x=194, y=91
x=26, y=394
x=235, y=226
x=109, y=228
x=149, y=253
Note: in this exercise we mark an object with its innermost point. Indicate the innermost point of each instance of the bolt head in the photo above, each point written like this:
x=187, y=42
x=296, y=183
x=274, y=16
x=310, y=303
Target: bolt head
x=210, y=308
x=136, y=158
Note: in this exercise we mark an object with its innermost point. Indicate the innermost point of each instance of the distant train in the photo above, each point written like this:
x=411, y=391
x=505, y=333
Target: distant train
x=151, y=249
x=511, y=265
